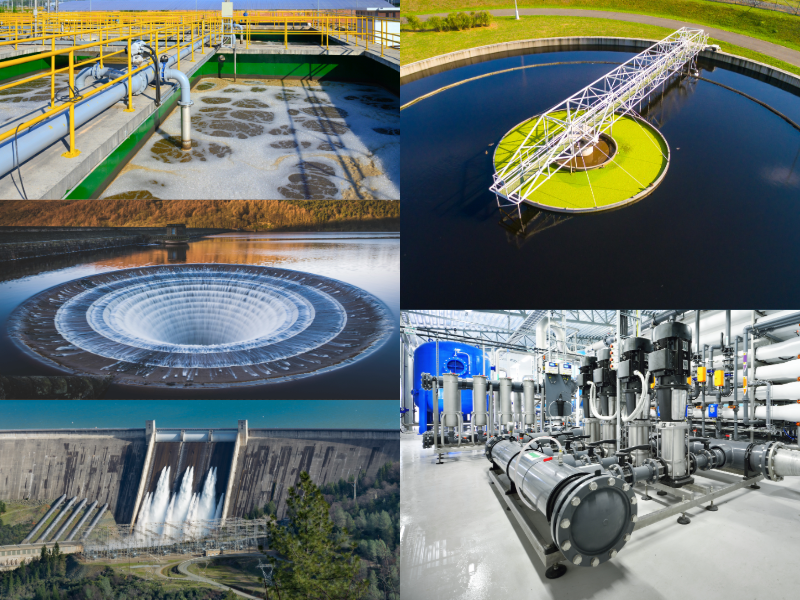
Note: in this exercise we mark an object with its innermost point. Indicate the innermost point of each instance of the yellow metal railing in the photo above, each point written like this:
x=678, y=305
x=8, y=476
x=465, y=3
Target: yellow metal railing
x=163, y=39
x=24, y=28
x=112, y=33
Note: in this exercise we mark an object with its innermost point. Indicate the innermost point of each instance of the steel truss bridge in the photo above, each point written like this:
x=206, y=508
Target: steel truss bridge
x=153, y=539
x=576, y=123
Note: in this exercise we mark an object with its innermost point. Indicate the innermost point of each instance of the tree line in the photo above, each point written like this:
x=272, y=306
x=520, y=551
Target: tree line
x=250, y=215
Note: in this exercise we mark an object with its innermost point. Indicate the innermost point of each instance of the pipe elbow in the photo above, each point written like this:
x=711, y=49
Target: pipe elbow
x=183, y=82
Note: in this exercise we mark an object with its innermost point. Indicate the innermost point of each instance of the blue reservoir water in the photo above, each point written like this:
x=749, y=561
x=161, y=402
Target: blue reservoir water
x=271, y=414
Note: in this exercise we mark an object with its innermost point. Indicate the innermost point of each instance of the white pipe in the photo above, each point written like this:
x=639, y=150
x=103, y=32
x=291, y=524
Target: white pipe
x=787, y=412
x=594, y=410
x=641, y=403
x=787, y=371
x=787, y=349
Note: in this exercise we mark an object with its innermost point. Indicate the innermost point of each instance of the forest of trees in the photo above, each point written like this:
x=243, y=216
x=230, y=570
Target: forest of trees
x=250, y=215
x=56, y=576
x=372, y=522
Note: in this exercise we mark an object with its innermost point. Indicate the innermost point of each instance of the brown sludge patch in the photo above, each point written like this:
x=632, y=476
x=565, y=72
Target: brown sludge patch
x=311, y=182
x=253, y=116
x=133, y=195
x=328, y=127
x=250, y=103
x=215, y=100
x=327, y=112
x=282, y=130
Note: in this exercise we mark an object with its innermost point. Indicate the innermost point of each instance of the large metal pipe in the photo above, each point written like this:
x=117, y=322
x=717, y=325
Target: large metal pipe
x=185, y=102
x=43, y=520
x=69, y=520
x=83, y=520
x=770, y=459
x=57, y=518
x=95, y=521
x=591, y=514
x=18, y=149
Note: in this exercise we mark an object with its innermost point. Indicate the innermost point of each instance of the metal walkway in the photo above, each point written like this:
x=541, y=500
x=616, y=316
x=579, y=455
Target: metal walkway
x=565, y=130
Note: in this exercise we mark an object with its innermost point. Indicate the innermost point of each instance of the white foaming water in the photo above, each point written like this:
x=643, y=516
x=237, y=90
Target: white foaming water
x=179, y=510
x=202, y=317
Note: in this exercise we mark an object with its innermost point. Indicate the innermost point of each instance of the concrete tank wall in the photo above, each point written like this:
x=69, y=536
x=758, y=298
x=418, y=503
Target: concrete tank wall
x=102, y=464
x=271, y=462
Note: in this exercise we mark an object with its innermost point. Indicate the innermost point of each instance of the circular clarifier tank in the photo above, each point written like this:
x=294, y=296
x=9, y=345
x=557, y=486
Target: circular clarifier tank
x=202, y=325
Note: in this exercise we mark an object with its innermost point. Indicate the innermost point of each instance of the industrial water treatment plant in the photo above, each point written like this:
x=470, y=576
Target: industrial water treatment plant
x=169, y=490
x=538, y=444
x=257, y=100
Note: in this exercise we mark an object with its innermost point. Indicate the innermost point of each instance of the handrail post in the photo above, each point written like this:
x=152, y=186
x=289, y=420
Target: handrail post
x=192, y=42
x=53, y=73
x=286, y=38
x=73, y=151
x=130, y=92
x=178, y=40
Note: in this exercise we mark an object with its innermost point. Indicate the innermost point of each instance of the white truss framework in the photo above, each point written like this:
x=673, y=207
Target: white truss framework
x=593, y=111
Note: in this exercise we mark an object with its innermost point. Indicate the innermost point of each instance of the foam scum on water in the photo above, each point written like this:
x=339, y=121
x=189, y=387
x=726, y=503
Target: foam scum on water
x=273, y=139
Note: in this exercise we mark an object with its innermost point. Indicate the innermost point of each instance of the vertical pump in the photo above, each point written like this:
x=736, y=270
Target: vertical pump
x=605, y=381
x=591, y=425
x=670, y=364
x=634, y=358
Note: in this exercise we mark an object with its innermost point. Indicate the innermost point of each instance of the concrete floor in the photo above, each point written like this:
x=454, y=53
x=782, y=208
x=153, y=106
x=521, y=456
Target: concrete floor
x=458, y=541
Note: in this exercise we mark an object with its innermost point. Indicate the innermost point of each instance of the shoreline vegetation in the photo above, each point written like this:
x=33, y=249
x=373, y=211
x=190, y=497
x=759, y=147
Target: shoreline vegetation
x=419, y=44
x=249, y=215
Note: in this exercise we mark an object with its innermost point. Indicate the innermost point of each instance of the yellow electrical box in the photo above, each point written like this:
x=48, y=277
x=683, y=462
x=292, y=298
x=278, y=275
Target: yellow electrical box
x=719, y=378
x=689, y=380
x=701, y=374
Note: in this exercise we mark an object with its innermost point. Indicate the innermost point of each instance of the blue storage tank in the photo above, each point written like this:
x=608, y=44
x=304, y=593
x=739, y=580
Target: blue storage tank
x=461, y=359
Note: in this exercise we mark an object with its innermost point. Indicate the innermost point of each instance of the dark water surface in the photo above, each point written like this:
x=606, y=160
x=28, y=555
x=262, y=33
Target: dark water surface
x=368, y=260
x=723, y=220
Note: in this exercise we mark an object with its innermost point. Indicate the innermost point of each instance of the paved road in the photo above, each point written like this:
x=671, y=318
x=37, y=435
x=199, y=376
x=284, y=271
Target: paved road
x=184, y=569
x=776, y=51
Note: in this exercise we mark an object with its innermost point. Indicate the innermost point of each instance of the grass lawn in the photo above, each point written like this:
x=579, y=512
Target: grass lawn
x=21, y=513
x=239, y=572
x=773, y=26
x=425, y=44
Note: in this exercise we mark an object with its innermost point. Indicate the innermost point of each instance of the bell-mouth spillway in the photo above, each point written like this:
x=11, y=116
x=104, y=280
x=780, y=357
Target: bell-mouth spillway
x=202, y=324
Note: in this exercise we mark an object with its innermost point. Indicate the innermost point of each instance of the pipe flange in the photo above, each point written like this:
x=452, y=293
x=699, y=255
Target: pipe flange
x=595, y=519
x=769, y=460
x=189, y=103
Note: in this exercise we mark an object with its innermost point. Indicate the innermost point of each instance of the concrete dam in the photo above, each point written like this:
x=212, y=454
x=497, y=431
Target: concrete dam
x=140, y=475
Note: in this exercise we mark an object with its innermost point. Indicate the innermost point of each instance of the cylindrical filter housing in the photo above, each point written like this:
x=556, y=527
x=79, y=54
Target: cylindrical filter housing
x=480, y=416
x=528, y=402
x=506, y=414
x=591, y=515
x=452, y=399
